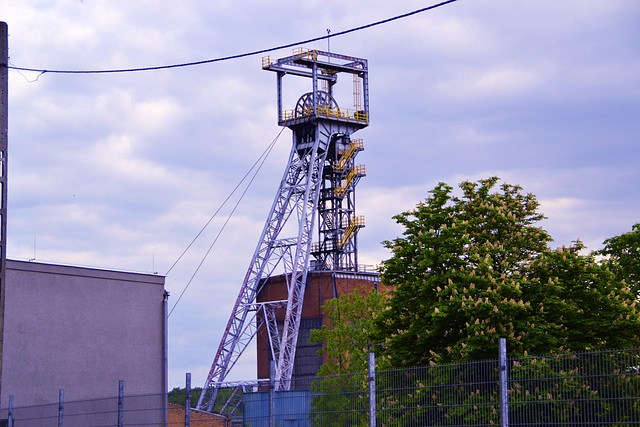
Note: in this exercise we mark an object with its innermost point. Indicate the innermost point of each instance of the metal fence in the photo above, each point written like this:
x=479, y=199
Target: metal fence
x=585, y=389
x=119, y=411
x=581, y=389
x=144, y=410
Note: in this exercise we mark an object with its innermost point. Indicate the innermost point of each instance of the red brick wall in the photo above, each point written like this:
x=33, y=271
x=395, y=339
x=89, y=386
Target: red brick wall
x=198, y=418
x=320, y=288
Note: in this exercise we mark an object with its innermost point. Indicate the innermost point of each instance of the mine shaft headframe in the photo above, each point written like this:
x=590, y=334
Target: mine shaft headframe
x=325, y=67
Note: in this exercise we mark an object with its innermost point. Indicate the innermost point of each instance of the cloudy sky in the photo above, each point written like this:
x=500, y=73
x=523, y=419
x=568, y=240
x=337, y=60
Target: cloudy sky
x=123, y=170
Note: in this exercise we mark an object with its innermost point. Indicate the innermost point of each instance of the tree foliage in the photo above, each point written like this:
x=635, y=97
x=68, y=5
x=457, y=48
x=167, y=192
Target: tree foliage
x=468, y=270
x=345, y=337
x=178, y=396
x=623, y=257
x=341, y=392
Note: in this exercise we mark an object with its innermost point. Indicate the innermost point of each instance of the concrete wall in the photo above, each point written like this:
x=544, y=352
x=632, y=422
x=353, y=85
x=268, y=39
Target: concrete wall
x=81, y=330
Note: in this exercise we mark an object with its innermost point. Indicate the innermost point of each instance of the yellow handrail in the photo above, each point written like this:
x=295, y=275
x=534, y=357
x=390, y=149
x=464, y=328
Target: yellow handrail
x=359, y=170
x=354, y=224
x=302, y=53
x=356, y=145
x=330, y=113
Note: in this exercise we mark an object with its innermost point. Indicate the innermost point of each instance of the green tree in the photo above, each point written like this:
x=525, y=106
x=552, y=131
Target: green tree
x=341, y=391
x=345, y=336
x=468, y=270
x=623, y=257
x=178, y=396
x=580, y=304
x=471, y=269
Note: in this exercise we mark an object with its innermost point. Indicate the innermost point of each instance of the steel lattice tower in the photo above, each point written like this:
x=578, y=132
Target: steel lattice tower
x=320, y=178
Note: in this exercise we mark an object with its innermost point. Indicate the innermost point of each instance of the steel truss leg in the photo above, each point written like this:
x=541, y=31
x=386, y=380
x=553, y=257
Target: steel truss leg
x=298, y=194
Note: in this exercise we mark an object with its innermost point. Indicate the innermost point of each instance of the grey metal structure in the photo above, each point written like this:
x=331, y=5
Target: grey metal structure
x=320, y=177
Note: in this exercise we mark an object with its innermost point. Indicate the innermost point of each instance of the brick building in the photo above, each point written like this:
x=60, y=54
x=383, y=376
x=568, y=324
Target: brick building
x=321, y=286
x=197, y=418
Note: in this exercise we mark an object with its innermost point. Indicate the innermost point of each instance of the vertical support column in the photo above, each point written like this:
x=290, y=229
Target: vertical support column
x=165, y=325
x=365, y=89
x=314, y=94
x=504, y=382
x=60, y=407
x=279, y=90
x=10, y=412
x=372, y=389
x=4, y=114
x=120, y=403
x=272, y=394
x=187, y=401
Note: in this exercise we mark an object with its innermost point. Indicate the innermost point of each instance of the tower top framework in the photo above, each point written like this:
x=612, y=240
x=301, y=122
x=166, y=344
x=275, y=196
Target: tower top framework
x=321, y=67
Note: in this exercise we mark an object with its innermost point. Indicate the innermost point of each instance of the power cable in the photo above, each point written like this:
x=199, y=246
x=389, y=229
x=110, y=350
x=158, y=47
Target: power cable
x=25, y=77
x=264, y=154
x=241, y=55
x=261, y=161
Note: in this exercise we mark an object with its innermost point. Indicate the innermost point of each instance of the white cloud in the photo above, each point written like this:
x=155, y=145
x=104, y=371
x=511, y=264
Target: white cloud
x=501, y=82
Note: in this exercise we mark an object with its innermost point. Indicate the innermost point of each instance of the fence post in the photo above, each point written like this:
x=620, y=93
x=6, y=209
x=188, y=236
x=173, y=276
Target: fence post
x=120, y=403
x=10, y=414
x=187, y=401
x=372, y=389
x=60, y=407
x=272, y=394
x=504, y=382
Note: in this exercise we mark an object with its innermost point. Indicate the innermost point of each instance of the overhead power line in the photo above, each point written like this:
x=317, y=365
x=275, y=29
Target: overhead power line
x=241, y=55
x=257, y=166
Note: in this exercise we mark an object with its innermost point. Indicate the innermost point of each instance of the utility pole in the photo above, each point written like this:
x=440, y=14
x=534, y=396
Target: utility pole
x=4, y=113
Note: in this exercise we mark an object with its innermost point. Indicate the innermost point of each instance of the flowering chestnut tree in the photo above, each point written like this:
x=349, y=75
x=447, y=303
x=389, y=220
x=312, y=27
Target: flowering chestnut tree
x=472, y=268
x=623, y=257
